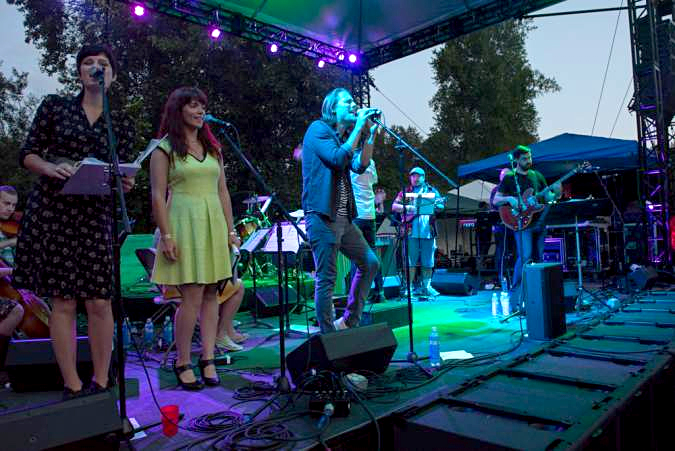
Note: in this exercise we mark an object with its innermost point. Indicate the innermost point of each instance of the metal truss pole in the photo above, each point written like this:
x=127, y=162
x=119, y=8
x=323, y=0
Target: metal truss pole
x=361, y=88
x=654, y=177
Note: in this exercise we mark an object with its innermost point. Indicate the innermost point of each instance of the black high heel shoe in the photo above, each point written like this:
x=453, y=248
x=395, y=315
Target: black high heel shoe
x=193, y=386
x=210, y=381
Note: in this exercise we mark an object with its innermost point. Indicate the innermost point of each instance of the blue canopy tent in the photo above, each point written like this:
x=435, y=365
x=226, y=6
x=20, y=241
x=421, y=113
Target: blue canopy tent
x=557, y=155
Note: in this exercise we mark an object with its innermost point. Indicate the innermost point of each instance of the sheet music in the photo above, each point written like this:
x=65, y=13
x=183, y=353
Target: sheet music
x=291, y=241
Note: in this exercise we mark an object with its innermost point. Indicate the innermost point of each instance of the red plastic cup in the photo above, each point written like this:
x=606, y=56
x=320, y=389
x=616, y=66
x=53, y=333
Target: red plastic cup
x=170, y=417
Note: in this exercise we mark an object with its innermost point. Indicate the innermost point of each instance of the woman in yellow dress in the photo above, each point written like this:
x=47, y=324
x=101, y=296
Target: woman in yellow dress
x=196, y=226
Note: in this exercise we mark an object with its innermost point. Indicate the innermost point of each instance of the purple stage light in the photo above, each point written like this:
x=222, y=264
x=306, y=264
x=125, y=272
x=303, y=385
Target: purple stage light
x=341, y=57
x=352, y=58
x=274, y=48
x=321, y=63
x=215, y=32
x=138, y=10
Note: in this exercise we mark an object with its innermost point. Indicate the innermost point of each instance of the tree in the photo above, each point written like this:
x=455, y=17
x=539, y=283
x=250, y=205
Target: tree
x=485, y=99
x=271, y=99
x=16, y=109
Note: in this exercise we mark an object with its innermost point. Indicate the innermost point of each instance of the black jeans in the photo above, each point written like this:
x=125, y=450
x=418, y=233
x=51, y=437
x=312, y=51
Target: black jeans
x=326, y=238
x=367, y=227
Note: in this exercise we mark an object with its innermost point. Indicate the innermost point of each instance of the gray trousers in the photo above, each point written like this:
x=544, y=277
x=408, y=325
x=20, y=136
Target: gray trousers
x=326, y=238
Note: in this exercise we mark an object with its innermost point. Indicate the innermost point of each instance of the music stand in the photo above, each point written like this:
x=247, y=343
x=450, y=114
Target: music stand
x=584, y=209
x=251, y=246
x=291, y=243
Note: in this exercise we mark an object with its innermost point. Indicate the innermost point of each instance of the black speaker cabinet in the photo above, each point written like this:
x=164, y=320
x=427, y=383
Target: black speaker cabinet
x=31, y=364
x=544, y=304
x=361, y=348
x=391, y=286
x=267, y=300
x=643, y=278
x=71, y=424
x=454, y=282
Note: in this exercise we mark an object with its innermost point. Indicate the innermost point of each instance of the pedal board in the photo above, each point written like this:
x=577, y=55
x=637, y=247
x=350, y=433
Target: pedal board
x=339, y=399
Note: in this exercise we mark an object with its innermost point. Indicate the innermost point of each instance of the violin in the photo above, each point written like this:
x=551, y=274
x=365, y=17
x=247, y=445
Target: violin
x=10, y=227
x=35, y=322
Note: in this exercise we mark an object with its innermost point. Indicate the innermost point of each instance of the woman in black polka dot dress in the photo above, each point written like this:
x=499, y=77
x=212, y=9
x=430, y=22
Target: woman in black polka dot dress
x=64, y=249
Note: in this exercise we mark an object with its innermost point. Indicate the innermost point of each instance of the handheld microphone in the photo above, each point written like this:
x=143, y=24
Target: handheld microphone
x=214, y=120
x=96, y=72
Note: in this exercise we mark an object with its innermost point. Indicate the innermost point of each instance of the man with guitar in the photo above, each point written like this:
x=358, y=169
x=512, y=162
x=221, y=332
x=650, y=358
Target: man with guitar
x=421, y=227
x=517, y=190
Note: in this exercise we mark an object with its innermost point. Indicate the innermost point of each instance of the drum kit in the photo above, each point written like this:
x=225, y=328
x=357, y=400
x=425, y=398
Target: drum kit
x=255, y=218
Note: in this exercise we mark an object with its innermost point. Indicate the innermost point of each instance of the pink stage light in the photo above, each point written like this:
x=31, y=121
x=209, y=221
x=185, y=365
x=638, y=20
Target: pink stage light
x=138, y=10
x=321, y=64
x=215, y=33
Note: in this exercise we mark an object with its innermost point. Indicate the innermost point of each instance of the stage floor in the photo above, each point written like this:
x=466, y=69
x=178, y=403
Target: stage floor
x=465, y=323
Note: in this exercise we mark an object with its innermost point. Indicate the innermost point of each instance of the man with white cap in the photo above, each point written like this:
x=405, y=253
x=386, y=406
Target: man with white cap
x=421, y=228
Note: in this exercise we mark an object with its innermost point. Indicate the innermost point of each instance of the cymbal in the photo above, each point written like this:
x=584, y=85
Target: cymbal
x=255, y=200
x=297, y=214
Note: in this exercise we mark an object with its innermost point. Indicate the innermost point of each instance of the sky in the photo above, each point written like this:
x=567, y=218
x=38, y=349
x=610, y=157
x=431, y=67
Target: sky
x=573, y=50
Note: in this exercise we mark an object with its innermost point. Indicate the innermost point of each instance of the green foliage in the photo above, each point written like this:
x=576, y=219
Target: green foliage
x=271, y=100
x=16, y=109
x=485, y=99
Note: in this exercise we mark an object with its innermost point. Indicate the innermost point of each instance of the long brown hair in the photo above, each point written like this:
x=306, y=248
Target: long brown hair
x=172, y=123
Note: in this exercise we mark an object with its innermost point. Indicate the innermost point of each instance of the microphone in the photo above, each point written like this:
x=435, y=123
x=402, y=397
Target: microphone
x=214, y=120
x=375, y=112
x=96, y=72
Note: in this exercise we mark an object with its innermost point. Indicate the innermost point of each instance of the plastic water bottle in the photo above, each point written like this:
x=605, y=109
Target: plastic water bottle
x=126, y=336
x=505, y=300
x=149, y=333
x=434, y=348
x=494, y=303
x=167, y=331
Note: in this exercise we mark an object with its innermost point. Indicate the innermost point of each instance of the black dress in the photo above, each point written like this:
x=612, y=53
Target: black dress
x=64, y=245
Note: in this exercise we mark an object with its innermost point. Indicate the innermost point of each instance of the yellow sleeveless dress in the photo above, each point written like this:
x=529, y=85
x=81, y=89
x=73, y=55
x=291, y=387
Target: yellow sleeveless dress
x=197, y=224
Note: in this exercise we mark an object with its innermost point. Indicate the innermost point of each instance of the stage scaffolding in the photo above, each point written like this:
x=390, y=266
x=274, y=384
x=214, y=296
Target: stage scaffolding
x=653, y=55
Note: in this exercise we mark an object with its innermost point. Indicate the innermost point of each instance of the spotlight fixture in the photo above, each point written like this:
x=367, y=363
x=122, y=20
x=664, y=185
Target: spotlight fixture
x=352, y=58
x=138, y=10
x=321, y=64
x=273, y=48
x=341, y=56
x=215, y=33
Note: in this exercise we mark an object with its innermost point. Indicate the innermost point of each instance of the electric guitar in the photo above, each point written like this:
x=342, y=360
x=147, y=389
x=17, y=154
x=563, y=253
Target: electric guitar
x=516, y=219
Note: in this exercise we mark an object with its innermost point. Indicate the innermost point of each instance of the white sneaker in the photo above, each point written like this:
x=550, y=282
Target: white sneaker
x=431, y=291
x=340, y=324
x=228, y=344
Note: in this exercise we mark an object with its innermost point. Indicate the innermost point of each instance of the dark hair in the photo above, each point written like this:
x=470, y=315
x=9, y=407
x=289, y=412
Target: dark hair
x=519, y=151
x=328, y=106
x=9, y=190
x=172, y=122
x=96, y=49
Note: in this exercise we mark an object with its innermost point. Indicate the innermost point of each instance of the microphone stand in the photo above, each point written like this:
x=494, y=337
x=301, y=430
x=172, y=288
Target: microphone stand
x=283, y=385
x=400, y=145
x=616, y=213
x=116, y=194
x=521, y=257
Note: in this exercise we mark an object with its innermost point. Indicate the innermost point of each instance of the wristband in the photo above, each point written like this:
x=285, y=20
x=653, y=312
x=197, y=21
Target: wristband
x=167, y=236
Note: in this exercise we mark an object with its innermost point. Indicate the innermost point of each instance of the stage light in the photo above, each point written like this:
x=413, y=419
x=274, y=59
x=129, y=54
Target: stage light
x=273, y=48
x=321, y=63
x=138, y=10
x=341, y=56
x=352, y=58
x=215, y=33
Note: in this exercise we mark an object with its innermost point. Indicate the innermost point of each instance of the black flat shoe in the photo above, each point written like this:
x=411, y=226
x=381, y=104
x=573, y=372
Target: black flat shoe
x=94, y=388
x=71, y=394
x=210, y=381
x=178, y=370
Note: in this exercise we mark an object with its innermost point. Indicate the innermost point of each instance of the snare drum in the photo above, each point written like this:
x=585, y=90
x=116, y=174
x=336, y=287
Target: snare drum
x=246, y=226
